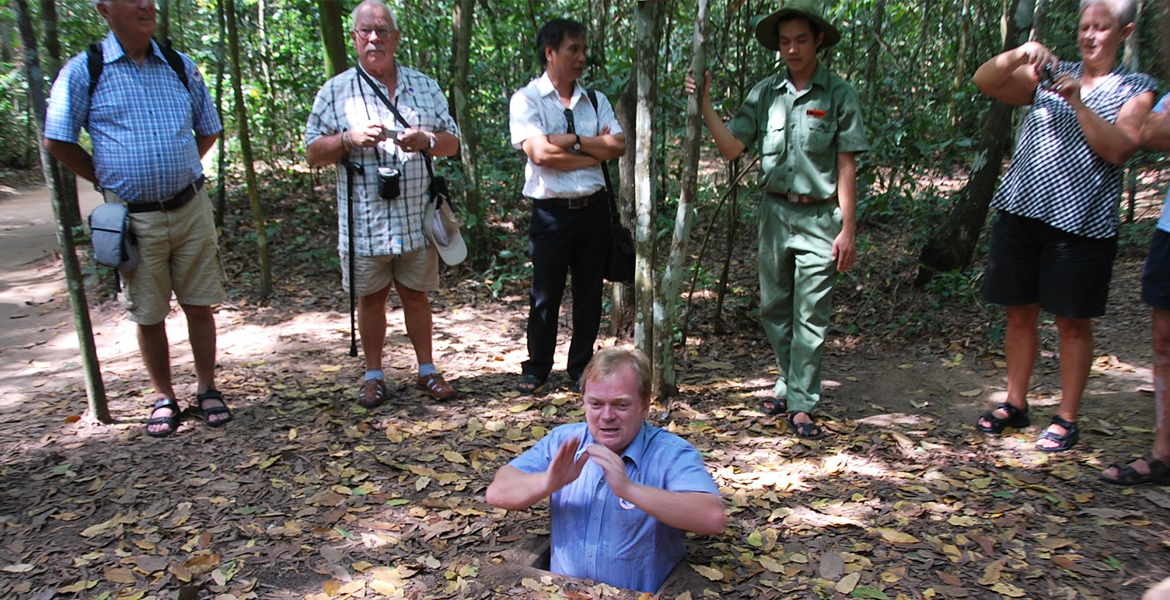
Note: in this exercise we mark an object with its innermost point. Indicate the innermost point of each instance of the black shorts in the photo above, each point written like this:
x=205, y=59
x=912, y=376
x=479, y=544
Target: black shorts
x=1031, y=262
x=1156, y=276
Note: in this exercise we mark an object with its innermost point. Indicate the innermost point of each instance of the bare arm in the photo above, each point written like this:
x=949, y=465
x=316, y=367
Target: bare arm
x=1115, y=142
x=725, y=140
x=845, y=245
x=513, y=489
x=1156, y=131
x=413, y=140
x=205, y=142
x=1013, y=75
x=699, y=512
x=544, y=153
x=329, y=149
x=74, y=157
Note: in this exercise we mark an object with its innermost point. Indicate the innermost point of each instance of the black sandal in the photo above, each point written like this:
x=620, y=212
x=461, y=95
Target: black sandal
x=172, y=421
x=774, y=406
x=808, y=431
x=205, y=414
x=1016, y=417
x=1127, y=475
x=530, y=384
x=1063, y=442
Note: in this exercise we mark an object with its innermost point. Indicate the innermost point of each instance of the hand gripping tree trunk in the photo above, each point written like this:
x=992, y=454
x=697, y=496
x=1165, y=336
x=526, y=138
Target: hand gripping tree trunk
x=953, y=243
x=258, y=219
x=675, y=270
x=94, y=390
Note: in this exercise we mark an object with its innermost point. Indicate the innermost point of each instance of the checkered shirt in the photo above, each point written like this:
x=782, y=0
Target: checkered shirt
x=381, y=227
x=140, y=119
x=1055, y=176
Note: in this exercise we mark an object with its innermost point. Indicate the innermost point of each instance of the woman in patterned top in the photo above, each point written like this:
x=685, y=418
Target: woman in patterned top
x=1055, y=232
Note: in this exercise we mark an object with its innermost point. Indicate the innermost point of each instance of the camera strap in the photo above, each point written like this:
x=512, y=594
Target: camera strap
x=397, y=115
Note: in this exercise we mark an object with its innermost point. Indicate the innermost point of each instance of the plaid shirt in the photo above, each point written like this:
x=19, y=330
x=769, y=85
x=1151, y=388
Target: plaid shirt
x=381, y=227
x=140, y=119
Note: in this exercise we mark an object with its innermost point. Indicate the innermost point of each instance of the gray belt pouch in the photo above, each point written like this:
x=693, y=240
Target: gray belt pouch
x=114, y=243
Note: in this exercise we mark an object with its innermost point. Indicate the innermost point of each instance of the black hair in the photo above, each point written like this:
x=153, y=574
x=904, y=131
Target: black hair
x=816, y=29
x=553, y=33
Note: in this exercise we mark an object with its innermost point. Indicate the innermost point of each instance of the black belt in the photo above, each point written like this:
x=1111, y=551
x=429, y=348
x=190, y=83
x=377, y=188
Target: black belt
x=571, y=203
x=174, y=202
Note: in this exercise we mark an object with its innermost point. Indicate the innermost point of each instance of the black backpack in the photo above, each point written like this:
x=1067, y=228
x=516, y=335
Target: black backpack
x=96, y=63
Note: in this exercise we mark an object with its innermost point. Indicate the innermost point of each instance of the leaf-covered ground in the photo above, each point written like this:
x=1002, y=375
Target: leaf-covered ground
x=306, y=495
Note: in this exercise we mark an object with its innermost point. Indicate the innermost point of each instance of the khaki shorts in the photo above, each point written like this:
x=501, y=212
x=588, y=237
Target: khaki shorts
x=418, y=271
x=179, y=254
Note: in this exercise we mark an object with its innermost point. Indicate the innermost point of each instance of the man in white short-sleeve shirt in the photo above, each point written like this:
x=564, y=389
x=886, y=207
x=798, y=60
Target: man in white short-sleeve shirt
x=566, y=137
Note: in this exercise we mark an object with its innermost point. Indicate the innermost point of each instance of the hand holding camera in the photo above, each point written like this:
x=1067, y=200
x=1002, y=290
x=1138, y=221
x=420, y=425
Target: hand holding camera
x=414, y=140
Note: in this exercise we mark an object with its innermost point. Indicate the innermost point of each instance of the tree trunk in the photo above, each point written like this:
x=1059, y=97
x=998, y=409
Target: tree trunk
x=1133, y=63
x=71, y=212
x=469, y=146
x=221, y=157
x=333, y=37
x=649, y=20
x=164, y=20
x=872, y=53
x=666, y=306
x=258, y=219
x=623, y=295
x=599, y=18
x=265, y=55
x=961, y=59
x=95, y=391
x=953, y=243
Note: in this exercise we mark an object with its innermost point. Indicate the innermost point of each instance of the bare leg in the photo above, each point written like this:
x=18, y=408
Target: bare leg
x=416, y=311
x=1076, y=356
x=1021, y=344
x=155, y=351
x=372, y=326
x=201, y=331
x=1161, y=449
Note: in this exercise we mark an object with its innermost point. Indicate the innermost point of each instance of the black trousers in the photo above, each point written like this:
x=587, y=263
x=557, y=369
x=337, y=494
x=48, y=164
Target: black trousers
x=560, y=240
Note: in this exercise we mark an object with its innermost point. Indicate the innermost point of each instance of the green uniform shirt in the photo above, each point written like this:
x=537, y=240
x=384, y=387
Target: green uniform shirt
x=800, y=133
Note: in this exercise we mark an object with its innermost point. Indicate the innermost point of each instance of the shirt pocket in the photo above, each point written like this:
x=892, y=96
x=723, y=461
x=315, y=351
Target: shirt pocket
x=819, y=135
x=775, y=134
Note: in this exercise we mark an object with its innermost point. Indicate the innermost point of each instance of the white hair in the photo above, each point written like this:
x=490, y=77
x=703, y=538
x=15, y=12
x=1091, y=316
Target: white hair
x=1124, y=10
x=364, y=3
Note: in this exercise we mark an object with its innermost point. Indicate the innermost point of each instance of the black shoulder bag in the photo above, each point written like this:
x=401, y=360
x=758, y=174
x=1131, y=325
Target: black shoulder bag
x=619, y=264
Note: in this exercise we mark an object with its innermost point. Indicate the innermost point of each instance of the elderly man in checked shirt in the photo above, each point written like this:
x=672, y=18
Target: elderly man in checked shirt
x=622, y=492
x=352, y=118
x=149, y=132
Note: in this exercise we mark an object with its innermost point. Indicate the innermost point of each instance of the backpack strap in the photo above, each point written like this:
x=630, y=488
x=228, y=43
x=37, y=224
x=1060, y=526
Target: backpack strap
x=96, y=62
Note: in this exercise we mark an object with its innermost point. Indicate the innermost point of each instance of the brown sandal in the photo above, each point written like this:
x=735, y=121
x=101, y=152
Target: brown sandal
x=436, y=387
x=373, y=394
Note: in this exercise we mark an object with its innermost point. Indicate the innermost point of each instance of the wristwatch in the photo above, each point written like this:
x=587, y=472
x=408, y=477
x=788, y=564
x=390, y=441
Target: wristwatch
x=431, y=142
x=576, y=143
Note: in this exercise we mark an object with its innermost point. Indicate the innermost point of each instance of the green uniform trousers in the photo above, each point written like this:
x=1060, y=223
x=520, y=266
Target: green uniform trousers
x=797, y=273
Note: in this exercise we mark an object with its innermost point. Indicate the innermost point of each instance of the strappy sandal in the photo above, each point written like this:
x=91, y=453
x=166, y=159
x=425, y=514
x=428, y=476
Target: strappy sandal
x=1127, y=475
x=1016, y=417
x=373, y=394
x=205, y=414
x=531, y=384
x=774, y=406
x=1063, y=442
x=436, y=387
x=808, y=431
x=171, y=421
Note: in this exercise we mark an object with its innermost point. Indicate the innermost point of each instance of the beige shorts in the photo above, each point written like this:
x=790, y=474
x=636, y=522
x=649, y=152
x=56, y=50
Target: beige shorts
x=178, y=253
x=418, y=271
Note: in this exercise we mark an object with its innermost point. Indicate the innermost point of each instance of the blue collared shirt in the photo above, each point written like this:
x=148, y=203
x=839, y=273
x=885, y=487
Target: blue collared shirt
x=141, y=120
x=598, y=536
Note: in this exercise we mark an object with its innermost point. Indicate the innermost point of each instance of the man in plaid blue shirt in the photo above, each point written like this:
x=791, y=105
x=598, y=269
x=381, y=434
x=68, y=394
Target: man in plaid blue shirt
x=149, y=131
x=351, y=120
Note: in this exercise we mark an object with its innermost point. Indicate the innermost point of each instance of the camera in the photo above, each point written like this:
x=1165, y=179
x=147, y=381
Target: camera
x=1046, y=78
x=389, y=183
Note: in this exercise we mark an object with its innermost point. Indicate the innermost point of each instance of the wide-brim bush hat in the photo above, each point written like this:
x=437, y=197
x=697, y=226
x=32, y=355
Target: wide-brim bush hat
x=767, y=29
x=441, y=227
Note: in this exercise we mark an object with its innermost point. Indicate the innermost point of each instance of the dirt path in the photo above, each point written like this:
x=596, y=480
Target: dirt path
x=37, y=339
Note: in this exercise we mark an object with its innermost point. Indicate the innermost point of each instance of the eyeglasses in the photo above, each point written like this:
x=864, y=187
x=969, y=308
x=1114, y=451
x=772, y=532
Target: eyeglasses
x=366, y=33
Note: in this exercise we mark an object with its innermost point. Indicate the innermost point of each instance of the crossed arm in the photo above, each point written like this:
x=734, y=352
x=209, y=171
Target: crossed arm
x=553, y=151
x=513, y=489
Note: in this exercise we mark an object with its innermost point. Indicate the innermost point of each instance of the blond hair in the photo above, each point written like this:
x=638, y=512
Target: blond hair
x=609, y=360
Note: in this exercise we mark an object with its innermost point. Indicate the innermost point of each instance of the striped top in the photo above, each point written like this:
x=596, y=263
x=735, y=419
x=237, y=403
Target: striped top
x=1055, y=176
